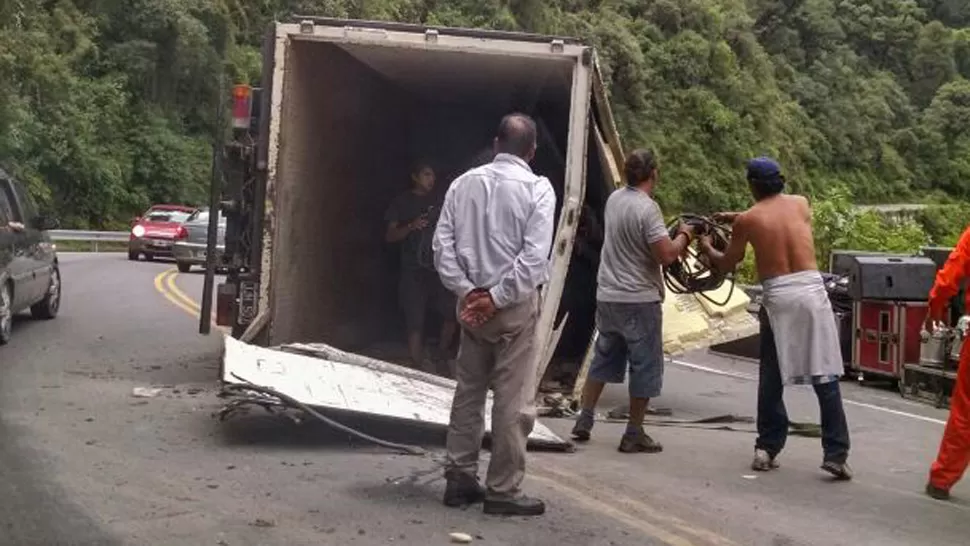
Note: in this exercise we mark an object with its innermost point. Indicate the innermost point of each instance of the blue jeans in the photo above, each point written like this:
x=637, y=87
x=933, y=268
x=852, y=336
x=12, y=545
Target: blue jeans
x=773, y=417
x=630, y=335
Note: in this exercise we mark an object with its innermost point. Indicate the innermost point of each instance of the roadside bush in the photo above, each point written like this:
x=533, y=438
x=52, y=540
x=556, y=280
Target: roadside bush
x=838, y=225
x=944, y=223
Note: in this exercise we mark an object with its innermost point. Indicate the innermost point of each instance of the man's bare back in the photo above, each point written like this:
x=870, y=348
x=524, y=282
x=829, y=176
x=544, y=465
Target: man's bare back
x=780, y=230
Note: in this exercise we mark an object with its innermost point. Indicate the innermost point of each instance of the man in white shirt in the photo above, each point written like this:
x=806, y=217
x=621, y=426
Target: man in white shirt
x=491, y=250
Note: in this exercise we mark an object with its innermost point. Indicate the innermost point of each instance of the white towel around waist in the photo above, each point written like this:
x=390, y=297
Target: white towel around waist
x=804, y=326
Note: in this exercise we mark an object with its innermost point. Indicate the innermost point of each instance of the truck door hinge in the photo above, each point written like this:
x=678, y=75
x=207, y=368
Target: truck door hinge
x=306, y=26
x=557, y=46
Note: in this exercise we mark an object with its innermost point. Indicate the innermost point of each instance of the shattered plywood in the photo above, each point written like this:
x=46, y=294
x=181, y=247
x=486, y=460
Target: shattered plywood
x=695, y=320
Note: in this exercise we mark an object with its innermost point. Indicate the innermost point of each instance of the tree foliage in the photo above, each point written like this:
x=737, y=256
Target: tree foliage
x=109, y=105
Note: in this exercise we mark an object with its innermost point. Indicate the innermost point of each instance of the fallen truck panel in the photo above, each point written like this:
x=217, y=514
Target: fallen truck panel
x=321, y=376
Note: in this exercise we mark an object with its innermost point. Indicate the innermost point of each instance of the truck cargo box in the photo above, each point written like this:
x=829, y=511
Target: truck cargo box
x=351, y=105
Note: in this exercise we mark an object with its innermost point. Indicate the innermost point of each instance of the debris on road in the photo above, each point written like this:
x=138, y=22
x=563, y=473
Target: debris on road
x=259, y=522
x=623, y=412
x=555, y=405
x=145, y=392
x=318, y=376
x=460, y=538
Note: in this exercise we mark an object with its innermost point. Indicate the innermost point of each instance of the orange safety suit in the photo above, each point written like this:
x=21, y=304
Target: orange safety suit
x=954, y=455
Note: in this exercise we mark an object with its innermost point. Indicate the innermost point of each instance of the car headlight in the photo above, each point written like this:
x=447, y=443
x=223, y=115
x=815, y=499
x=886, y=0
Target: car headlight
x=138, y=231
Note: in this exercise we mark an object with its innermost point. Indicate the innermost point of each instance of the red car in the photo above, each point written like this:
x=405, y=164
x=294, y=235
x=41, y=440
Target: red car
x=155, y=231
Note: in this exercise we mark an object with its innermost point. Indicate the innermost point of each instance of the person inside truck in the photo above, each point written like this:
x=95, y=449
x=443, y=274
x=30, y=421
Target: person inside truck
x=954, y=454
x=411, y=220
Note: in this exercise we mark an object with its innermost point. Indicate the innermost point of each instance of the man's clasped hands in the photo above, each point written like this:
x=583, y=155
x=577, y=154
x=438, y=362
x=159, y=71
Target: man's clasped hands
x=477, y=308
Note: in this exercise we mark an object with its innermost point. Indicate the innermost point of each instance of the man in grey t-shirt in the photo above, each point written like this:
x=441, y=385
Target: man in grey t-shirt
x=629, y=301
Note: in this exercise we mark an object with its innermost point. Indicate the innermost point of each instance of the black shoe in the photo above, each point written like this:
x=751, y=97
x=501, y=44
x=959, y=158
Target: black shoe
x=583, y=428
x=937, y=493
x=841, y=471
x=639, y=442
x=462, y=490
x=521, y=506
x=763, y=461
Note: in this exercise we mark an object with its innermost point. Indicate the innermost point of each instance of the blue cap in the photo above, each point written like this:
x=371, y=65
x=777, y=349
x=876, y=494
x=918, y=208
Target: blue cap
x=763, y=168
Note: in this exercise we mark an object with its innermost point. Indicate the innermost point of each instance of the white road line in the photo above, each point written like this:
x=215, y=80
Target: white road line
x=895, y=412
x=750, y=377
x=715, y=371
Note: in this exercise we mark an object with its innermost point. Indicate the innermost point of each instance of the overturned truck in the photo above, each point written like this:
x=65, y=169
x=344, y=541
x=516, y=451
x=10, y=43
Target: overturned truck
x=344, y=108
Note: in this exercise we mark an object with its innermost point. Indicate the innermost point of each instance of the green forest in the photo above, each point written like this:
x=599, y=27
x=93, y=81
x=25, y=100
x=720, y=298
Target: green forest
x=109, y=105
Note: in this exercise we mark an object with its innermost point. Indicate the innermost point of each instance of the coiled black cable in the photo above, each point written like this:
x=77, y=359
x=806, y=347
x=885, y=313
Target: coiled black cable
x=691, y=273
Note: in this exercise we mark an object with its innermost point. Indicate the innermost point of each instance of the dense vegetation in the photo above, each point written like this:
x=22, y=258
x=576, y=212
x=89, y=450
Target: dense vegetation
x=109, y=105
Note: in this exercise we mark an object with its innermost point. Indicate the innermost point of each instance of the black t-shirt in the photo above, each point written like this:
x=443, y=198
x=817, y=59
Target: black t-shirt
x=416, y=247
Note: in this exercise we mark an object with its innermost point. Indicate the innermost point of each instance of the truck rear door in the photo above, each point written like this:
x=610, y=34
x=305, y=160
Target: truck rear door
x=590, y=112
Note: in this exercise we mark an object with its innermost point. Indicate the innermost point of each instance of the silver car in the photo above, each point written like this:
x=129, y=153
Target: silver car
x=190, y=245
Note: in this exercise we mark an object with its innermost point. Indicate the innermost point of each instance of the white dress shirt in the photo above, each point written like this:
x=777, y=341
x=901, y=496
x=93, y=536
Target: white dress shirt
x=495, y=231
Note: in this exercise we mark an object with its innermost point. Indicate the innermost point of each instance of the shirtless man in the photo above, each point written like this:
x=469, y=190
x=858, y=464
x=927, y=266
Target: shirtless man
x=796, y=305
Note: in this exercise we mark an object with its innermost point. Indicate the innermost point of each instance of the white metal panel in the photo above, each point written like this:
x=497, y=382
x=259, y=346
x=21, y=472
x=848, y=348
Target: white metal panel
x=411, y=39
x=573, y=195
x=364, y=385
x=275, y=113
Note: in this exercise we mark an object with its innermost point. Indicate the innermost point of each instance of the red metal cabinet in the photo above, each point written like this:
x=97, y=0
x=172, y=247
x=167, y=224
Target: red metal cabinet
x=911, y=320
x=886, y=335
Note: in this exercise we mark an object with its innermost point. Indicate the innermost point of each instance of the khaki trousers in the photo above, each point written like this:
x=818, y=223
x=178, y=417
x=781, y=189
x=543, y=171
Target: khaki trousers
x=499, y=354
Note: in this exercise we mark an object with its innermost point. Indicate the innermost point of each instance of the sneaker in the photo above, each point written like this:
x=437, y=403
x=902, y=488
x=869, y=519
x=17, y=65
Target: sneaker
x=763, y=462
x=583, y=428
x=462, y=490
x=937, y=492
x=519, y=506
x=639, y=442
x=841, y=471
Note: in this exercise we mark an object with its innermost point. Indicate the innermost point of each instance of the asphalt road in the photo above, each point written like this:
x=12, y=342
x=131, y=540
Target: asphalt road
x=84, y=462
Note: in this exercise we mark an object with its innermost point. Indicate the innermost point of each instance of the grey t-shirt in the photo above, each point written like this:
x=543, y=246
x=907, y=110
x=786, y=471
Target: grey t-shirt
x=628, y=271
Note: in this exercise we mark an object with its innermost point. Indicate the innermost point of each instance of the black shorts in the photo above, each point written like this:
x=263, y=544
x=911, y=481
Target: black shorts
x=421, y=290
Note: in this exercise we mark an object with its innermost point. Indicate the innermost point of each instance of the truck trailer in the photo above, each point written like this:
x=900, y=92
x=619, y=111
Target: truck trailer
x=343, y=109
x=346, y=106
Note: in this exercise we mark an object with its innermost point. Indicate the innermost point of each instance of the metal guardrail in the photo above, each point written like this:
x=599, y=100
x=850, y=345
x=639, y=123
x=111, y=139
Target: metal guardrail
x=94, y=237
x=78, y=235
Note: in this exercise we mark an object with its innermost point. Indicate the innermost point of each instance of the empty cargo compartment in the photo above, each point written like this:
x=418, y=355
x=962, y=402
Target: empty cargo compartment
x=354, y=119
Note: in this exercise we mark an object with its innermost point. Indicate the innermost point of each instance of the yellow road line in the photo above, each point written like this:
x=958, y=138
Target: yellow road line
x=178, y=293
x=165, y=285
x=160, y=281
x=616, y=505
x=619, y=515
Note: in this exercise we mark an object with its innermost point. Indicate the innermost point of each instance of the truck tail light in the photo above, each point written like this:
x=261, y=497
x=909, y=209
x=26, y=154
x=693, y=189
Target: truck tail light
x=241, y=106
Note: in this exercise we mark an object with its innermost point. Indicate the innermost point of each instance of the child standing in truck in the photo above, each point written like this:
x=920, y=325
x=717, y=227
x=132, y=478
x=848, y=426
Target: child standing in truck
x=411, y=220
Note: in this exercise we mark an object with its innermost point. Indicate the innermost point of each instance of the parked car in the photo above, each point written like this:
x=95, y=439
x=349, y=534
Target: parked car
x=154, y=232
x=191, y=240
x=29, y=274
